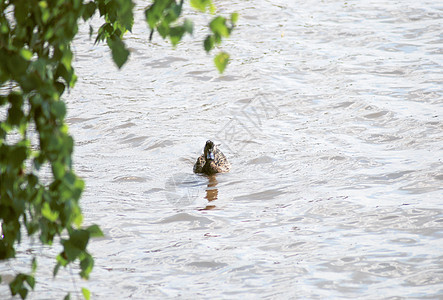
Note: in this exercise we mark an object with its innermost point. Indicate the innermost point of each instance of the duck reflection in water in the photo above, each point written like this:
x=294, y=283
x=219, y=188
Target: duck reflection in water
x=212, y=161
x=211, y=191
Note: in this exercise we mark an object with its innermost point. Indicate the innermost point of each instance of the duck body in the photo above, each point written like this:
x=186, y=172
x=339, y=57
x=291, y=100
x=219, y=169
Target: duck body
x=212, y=161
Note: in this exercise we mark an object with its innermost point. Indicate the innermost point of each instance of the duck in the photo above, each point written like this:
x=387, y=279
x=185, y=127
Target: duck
x=212, y=161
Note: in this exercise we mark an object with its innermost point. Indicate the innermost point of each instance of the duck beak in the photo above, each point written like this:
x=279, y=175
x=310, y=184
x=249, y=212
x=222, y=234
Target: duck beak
x=210, y=155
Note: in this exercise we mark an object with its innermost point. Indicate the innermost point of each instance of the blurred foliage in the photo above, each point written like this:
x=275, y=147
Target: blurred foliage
x=35, y=70
x=164, y=17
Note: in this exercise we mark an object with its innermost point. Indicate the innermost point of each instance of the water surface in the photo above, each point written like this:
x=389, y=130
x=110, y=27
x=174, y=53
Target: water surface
x=331, y=115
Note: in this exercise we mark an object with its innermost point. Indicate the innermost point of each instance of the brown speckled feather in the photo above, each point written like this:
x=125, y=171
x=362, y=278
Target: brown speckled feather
x=198, y=167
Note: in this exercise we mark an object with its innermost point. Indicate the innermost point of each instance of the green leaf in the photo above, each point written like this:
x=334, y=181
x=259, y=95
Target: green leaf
x=4, y=28
x=26, y=54
x=23, y=292
x=218, y=26
x=56, y=268
x=60, y=86
x=119, y=52
x=78, y=219
x=221, y=60
x=67, y=297
x=67, y=75
x=16, y=65
x=125, y=15
x=34, y=264
x=79, y=238
x=48, y=213
x=234, y=18
x=20, y=153
x=58, y=108
x=43, y=4
x=71, y=251
x=154, y=13
x=67, y=59
x=89, y=10
x=202, y=5
x=86, y=265
x=95, y=231
x=105, y=31
x=58, y=170
x=86, y=293
x=163, y=29
x=45, y=12
x=17, y=286
x=176, y=34
x=30, y=280
x=209, y=43
x=15, y=115
x=188, y=26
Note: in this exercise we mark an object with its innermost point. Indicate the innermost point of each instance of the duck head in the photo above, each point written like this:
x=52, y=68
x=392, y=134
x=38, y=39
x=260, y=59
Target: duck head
x=209, y=151
x=210, y=167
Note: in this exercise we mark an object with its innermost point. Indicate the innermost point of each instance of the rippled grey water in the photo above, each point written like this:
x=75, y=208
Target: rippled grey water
x=331, y=115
